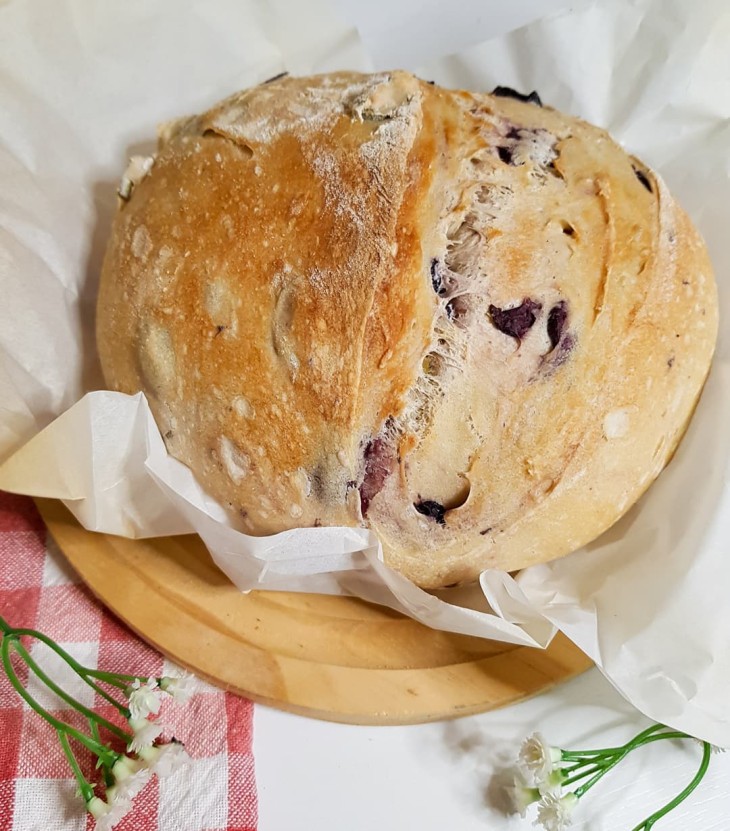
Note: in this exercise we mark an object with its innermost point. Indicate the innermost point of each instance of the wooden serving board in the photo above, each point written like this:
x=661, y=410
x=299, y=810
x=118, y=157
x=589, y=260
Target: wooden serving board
x=334, y=658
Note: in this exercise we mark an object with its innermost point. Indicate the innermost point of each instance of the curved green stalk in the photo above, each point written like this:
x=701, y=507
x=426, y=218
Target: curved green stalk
x=96, y=748
x=64, y=696
x=648, y=823
x=576, y=755
x=117, y=679
x=86, y=673
x=639, y=741
x=578, y=776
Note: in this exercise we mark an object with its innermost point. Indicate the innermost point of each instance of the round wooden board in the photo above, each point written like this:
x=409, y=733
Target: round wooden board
x=334, y=658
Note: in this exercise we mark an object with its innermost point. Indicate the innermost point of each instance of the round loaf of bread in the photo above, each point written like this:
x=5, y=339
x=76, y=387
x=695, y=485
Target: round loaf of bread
x=468, y=322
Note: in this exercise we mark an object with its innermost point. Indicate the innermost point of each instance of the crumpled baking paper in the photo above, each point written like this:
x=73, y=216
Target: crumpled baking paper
x=648, y=600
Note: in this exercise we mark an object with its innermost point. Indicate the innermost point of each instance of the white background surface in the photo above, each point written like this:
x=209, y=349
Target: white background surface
x=447, y=776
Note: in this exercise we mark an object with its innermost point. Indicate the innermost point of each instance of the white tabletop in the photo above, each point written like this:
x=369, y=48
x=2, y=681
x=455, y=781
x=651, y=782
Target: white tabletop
x=447, y=775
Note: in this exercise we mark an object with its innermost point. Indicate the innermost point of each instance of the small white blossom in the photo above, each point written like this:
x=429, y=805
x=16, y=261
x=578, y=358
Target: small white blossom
x=144, y=699
x=127, y=790
x=130, y=777
x=555, y=813
x=165, y=758
x=116, y=813
x=125, y=767
x=180, y=687
x=522, y=795
x=714, y=749
x=552, y=783
x=537, y=758
x=97, y=807
x=145, y=732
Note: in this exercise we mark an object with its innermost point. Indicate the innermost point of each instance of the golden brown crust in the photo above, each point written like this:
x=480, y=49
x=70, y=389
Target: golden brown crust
x=468, y=318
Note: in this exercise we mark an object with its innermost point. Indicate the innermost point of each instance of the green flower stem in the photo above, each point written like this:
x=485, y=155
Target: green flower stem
x=105, y=769
x=648, y=823
x=638, y=741
x=582, y=775
x=62, y=694
x=576, y=755
x=117, y=679
x=573, y=768
x=87, y=792
x=95, y=747
x=600, y=766
x=124, y=711
x=580, y=791
x=83, y=672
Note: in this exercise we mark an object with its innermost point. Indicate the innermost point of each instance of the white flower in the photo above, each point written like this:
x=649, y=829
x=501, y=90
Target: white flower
x=537, y=758
x=97, y=807
x=107, y=815
x=116, y=813
x=145, y=732
x=522, y=795
x=130, y=777
x=125, y=767
x=165, y=758
x=144, y=699
x=554, y=812
x=714, y=749
x=180, y=687
x=128, y=789
x=552, y=783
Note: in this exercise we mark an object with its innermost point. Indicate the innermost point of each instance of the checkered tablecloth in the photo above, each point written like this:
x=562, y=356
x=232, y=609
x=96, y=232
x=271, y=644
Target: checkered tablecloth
x=215, y=792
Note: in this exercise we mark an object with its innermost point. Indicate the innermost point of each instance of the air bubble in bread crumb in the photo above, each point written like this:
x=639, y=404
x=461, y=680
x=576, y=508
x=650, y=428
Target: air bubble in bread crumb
x=156, y=357
x=242, y=406
x=234, y=460
x=257, y=170
x=616, y=423
x=216, y=300
x=228, y=225
x=164, y=254
x=303, y=481
x=141, y=242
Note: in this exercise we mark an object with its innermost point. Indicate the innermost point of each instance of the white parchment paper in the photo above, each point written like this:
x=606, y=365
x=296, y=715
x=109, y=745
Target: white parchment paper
x=82, y=86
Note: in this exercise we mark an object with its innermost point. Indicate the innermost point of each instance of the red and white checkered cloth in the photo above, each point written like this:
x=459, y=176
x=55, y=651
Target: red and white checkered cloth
x=215, y=792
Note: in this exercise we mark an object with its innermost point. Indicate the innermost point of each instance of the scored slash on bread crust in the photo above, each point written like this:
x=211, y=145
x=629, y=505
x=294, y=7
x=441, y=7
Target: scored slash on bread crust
x=469, y=322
